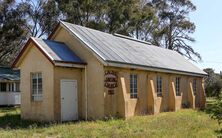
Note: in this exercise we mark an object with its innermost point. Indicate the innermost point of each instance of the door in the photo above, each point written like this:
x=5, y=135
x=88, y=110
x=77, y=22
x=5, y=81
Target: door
x=69, y=100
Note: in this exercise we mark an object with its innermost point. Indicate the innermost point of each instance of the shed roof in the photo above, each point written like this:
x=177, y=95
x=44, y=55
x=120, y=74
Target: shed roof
x=57, y=51
x=7, y=73
x=122, y=50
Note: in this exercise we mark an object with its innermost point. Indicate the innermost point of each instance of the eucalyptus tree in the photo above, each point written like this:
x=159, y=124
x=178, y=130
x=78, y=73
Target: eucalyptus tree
x=174, y=27
x=12, y=31
x=41, y=16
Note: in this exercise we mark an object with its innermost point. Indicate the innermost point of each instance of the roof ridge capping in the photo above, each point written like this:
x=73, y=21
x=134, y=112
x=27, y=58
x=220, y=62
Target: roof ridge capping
x=131, y=38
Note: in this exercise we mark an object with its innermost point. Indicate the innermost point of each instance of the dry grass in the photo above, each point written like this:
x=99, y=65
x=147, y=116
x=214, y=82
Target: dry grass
x=184, y=123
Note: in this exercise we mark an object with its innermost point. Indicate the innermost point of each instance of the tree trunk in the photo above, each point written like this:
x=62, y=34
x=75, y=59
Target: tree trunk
x=170, y=44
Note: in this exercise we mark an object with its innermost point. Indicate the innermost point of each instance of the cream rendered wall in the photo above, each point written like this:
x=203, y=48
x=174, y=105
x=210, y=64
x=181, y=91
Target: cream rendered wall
x=94, y=73
x=35, y=61
x=120, y=104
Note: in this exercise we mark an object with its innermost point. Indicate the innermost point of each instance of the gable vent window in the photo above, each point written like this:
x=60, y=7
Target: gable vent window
x=178, y=93
x=133, y=86
x=159, y=86
x=195, y=86
x=36, y=88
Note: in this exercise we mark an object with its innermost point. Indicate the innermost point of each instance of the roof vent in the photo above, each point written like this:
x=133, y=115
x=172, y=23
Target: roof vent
x=131, y=38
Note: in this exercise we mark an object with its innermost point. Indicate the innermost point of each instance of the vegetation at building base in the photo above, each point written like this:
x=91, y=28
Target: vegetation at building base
x=213, y=87
x=214, y=109
x=164, y=23
x=213, y=83
x=184, y=123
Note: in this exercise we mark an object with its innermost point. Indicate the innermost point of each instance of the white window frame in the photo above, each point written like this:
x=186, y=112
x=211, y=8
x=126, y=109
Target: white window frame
x=159, y=86
x=194, y=84
x=36, y=96
x=177, y=86
x=133, y=86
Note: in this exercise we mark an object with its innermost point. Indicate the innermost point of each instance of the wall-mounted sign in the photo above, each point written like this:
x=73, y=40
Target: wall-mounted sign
x=110, y=79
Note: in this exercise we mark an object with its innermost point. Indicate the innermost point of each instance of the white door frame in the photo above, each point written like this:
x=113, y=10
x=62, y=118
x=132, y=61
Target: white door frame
x=64, y=80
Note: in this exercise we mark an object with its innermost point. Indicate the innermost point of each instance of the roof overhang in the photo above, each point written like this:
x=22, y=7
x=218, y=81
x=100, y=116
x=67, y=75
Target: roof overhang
x=69, y=64
x=6, y=80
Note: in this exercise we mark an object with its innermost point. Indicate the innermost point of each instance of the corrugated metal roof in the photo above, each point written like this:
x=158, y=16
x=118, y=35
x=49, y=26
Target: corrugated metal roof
x=57, y=51
x=125, y=51
x=9, y=74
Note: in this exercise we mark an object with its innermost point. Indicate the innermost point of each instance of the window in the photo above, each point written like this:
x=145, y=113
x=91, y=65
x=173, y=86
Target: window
x=133, y=86
x=177, y=86
x=194, y=86
x=2, y=87
x=36, y=79
x=159, y=86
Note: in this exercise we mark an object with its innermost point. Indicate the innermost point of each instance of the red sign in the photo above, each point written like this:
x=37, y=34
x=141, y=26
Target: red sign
x=110, y=79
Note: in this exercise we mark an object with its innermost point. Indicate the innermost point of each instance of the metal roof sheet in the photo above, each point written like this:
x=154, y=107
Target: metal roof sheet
x=57, y=51
x=9, y=74
x=126, y=51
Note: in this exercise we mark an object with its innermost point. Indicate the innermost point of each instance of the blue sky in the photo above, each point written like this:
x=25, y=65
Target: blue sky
x=208, y=35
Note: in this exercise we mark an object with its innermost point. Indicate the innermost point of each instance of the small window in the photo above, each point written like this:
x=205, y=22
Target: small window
x=133, y=86
x=178, y=86
x=2, y=87
x=36, y=79
x=194, y=86
x=159, y=86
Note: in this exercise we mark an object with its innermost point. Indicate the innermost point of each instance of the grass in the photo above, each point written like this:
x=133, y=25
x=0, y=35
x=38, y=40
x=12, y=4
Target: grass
x=184, y=123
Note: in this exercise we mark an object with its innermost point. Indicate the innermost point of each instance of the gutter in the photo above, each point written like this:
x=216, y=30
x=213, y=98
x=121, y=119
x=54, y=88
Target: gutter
x=150, y=68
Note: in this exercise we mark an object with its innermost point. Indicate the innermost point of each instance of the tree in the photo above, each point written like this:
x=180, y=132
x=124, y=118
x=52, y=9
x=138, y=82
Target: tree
x=11, y=31
x=113, y=16
x=174, y=27
x=143, y=21
x=213, y=83
x=83, y=12
x=133, y=21
x=41, y=16
x=163, y=22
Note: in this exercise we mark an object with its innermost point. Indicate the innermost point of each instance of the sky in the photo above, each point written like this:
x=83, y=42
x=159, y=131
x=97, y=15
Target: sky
x=208, y=34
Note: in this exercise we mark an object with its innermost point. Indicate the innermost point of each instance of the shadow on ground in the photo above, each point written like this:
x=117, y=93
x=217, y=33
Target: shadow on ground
x=10, y=119
x=14, y=121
